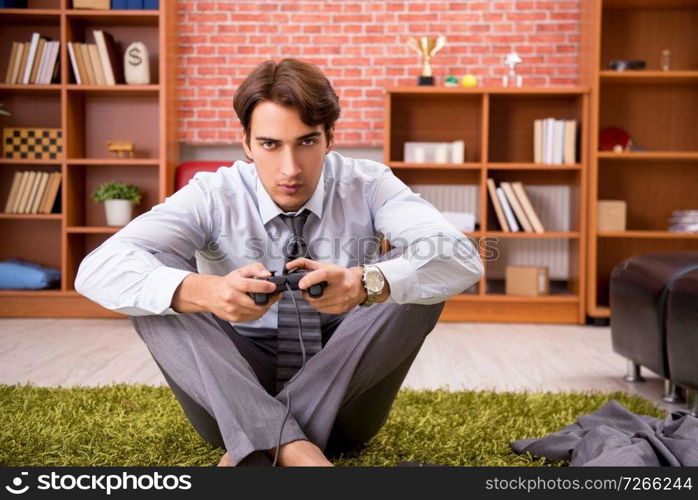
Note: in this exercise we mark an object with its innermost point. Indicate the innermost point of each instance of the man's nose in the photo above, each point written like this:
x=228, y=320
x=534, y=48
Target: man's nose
x=290, y=167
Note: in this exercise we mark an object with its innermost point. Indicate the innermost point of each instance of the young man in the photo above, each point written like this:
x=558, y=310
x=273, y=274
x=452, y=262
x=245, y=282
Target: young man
x=184, y=272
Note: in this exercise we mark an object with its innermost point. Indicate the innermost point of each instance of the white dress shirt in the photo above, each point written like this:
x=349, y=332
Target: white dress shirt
x=226, y=220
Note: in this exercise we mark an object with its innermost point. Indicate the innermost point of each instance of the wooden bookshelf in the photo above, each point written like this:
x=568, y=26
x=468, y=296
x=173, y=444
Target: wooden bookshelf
x=496, y=125
x=658, y=109
x=88, y=115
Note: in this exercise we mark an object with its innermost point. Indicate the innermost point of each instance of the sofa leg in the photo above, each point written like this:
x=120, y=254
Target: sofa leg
x=633, y=372
x=673, y=393
x=692, y=401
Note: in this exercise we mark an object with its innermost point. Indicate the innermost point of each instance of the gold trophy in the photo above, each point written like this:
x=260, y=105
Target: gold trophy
x=426, y=47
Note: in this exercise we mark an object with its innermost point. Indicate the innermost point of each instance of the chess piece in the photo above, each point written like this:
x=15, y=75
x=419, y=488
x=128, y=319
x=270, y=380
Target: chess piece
x=426, y=47
x=511, y=78
x=136, y=64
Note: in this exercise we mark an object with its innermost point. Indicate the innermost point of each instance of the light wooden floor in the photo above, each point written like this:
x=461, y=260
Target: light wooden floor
x=457, y=356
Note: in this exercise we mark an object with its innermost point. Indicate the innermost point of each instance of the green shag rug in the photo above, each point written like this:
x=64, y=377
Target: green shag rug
x=138, y=425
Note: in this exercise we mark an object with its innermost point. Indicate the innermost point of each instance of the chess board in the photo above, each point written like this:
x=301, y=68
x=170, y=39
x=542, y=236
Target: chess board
x=32, y=143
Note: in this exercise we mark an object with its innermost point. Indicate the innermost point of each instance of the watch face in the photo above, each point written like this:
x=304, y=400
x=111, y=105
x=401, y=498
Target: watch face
x=374, y=280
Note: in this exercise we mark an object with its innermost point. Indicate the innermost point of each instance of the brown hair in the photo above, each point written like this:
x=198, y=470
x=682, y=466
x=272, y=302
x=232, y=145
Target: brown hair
x=292, y=83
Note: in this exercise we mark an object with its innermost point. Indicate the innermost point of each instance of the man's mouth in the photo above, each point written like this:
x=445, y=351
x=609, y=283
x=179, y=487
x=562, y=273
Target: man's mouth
x=290, y=188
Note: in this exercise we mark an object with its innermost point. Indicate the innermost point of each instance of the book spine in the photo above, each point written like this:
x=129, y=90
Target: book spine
x=134, y=4
x=151, y=4
x=74, y=63
x=513, y=225
x=12, y=194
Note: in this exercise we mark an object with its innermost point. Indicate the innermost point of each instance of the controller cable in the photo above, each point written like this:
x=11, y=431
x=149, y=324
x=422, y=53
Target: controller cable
x=288, y=394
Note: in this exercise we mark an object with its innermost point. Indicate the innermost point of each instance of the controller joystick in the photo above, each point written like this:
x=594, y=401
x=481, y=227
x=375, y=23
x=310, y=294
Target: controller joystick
x=292, y=279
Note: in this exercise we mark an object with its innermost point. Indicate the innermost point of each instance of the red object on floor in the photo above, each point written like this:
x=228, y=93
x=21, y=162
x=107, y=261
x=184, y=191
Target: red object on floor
x=187, y=170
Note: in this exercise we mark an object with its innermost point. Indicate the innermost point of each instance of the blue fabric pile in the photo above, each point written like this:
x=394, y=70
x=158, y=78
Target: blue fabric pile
x=17, y=274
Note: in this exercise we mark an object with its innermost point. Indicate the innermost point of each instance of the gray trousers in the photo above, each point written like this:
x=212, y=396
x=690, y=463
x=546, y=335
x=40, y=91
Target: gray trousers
x=225, y=381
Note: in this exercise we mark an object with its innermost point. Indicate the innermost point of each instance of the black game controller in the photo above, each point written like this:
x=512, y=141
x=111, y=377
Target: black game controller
x=292, y=278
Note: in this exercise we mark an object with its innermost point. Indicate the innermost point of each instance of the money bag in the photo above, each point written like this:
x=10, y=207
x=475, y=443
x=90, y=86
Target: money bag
x=136, y=64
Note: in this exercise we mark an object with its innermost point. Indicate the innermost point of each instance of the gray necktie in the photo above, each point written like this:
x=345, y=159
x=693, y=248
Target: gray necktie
x=288, y=355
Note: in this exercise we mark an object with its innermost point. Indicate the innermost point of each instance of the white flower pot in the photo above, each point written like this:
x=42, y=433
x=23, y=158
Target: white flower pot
x=118, y=212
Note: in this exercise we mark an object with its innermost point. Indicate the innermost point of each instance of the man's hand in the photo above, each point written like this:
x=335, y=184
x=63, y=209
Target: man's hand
x=226, y=296
x=344, y=288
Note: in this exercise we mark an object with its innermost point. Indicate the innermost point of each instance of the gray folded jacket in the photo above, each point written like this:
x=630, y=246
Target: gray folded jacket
x=614, y=436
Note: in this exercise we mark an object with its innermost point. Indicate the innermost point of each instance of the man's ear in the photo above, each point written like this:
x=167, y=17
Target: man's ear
x=330, y=141
x=246, y=147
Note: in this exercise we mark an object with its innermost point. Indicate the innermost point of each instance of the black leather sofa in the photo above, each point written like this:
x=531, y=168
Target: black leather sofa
x=654, y=320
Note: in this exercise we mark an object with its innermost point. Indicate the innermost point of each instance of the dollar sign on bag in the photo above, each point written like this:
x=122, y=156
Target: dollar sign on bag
x=135, y=57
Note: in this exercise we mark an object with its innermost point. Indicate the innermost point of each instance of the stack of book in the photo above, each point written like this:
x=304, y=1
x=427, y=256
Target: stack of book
x=513, y=208
x=135, y=4
x=96, y=63
x=554, y=141
x=13, y=4
x=115, y=4
x=33, y=192
x=33, y=62
x=684, y=221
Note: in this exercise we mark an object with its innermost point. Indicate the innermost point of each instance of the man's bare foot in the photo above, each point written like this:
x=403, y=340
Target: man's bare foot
x=226, y=461
x=301, y=453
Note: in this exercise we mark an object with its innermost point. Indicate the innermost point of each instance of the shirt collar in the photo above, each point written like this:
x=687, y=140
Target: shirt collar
x=268, y=209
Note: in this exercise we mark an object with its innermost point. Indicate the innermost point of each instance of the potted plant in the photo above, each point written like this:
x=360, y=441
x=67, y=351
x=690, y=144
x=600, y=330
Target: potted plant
x=118, y=198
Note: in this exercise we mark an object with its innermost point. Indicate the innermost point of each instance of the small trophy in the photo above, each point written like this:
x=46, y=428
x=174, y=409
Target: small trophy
x=512, y=79
x=426, y=47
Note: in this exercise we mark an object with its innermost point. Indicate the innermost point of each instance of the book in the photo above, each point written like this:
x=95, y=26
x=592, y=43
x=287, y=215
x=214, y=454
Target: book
x=516, y=207
x=44, y=59
x=558, y=138
x=83, y=63
x=27, y=185
x=18, y=192
x=96, y=64
x=118, y=4
x=511, y=220
x=87, y=60
x=32, y=192
x=38, y=57
x=74, y=63
x=538, y=141
x=51, y=70
x=43, y=178
x=108, y=55
x=151, y=4
x=16, y=55
x=570, y=152
x=48, y=193
x=525, y=203
x=33, y=46
x=11, y=62
x=492, y=190
x=22, y=62
x=134, y=4
x=12, y=193
x=13, y=4
x=548, y=126
x=21, y=185
x=52, y=194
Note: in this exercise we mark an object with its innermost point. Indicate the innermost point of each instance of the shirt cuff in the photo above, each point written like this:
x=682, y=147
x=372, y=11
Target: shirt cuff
x=158, y=289
x=399, y=274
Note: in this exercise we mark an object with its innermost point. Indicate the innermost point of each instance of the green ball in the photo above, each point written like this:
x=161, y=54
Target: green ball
x=469, y=81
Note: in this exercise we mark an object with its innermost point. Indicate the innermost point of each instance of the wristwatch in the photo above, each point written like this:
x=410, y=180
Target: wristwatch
x=373, y=282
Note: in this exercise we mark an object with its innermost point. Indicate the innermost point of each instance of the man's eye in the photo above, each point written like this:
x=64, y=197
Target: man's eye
x=267, y=144
x=309, y=142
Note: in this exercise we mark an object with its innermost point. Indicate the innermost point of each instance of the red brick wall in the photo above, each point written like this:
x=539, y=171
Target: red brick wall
x=361, y=47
